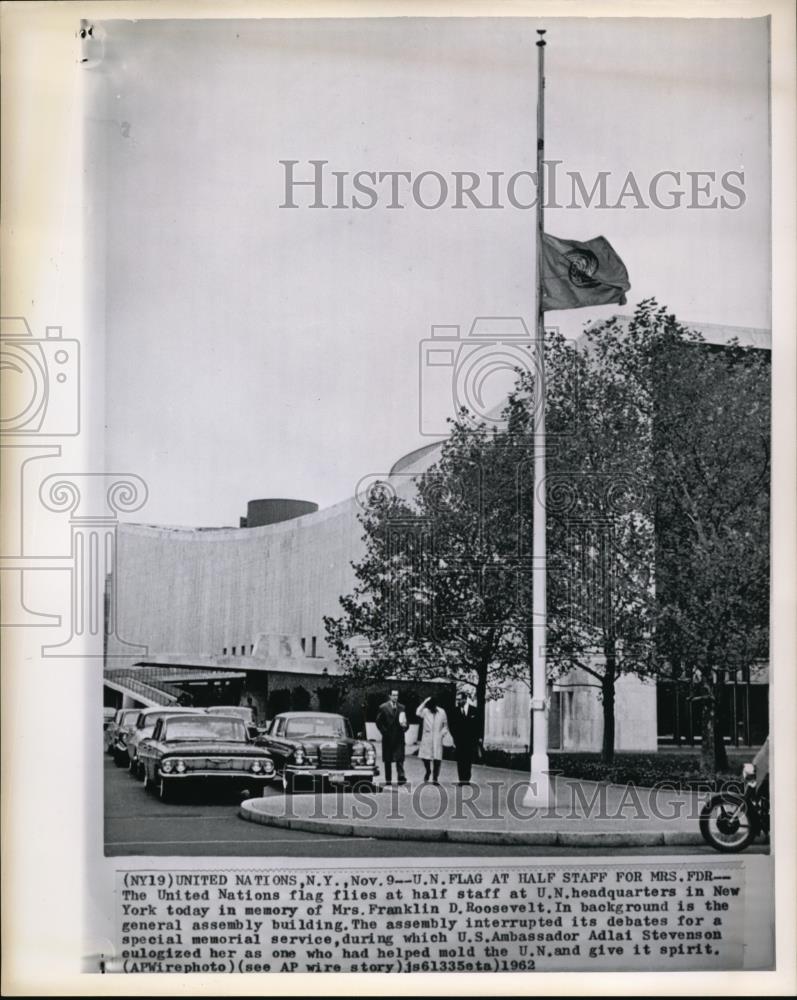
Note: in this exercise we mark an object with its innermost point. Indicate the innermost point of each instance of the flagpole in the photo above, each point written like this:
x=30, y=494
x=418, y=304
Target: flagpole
x=539, y=791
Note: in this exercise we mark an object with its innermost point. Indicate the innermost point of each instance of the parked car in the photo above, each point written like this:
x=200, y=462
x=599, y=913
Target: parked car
x=199, y=747
x=242, y=712
x=108, y=715
x=144, y=728
x=119, y=732
x=316, y=748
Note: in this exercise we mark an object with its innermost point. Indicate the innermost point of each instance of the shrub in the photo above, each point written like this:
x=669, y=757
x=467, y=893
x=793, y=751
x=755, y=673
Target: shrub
x=682, y=770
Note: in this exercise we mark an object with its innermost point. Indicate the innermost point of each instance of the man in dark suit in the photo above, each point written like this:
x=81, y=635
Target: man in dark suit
x=391, y=721
x=463, y=724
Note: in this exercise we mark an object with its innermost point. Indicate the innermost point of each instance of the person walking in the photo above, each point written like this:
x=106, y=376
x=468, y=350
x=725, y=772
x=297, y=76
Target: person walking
x=464, y=729
x=391, y=721
x=435, y=728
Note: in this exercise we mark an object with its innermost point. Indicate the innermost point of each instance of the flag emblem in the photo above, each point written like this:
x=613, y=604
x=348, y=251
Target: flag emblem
x=577, y=274
x=583, y=264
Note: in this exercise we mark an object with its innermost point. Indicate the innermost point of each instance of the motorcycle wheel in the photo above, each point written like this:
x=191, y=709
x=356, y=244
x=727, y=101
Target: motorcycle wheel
x=727, y=823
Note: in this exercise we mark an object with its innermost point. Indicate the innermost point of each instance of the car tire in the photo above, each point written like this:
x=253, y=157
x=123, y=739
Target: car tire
x=288, y=783
x=165, y=791
x=364, y=786
x=118, y=759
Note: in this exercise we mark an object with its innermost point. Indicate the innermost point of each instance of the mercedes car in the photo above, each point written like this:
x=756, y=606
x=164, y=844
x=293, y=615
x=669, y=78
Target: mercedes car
x=317, y=749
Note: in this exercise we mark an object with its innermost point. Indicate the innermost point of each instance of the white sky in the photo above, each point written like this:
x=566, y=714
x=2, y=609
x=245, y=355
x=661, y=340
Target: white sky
x=255, y=351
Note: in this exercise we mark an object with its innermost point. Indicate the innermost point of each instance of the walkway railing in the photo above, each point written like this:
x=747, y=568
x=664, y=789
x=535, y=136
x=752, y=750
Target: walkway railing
x=157, y=693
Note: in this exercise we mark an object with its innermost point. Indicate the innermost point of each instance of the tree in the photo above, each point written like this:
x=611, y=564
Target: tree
x=440, y=590
x=712, y=447
x=708, y=410
x=599, y=521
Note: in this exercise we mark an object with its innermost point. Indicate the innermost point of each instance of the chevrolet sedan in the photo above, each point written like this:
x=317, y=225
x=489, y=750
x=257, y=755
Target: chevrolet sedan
x=317, y=748
x=144, y=727
x=186, y=750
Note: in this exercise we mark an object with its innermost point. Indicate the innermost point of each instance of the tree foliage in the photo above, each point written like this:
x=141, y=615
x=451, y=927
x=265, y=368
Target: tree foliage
x=707, y=468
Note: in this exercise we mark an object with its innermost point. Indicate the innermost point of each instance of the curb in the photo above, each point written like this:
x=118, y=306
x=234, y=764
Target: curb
x=531, y=838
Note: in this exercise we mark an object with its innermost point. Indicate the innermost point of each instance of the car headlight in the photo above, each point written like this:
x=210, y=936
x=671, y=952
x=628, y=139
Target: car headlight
x=268, y=766
x=180, y=767
x=370, y=756
x=256, y=767
x=167, y=766
x=748, y=773
x=298, y=755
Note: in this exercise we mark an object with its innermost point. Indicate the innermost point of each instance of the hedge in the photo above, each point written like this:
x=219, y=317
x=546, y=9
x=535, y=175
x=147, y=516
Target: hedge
x=683, y=770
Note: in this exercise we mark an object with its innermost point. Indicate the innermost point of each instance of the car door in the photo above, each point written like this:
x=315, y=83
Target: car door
x=275, y=742
x=146, y=750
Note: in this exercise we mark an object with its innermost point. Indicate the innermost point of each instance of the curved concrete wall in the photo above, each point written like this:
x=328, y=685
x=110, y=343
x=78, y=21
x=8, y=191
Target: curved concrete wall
x=186, y=591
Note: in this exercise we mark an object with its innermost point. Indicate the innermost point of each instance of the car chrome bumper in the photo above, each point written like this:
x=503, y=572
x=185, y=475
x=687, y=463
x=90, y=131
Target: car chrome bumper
x=241, y=775
x=346, y=773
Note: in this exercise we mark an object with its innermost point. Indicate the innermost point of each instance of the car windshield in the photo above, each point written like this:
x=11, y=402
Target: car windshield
x=239, y=711
x=316, y=725
x=147, y=722
x=128, y=718
x=205, y=728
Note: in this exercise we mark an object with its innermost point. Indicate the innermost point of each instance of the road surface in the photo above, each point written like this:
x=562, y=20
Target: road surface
x=137, y=823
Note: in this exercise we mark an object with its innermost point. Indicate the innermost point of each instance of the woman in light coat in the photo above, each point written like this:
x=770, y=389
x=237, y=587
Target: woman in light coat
x=435, y=727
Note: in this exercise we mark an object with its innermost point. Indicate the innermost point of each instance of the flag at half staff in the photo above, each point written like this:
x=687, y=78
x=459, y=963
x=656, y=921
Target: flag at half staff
x=581, y=274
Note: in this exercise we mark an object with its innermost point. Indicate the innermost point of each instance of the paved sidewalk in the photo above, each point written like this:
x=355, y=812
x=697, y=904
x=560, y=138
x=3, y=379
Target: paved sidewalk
x=491, y=811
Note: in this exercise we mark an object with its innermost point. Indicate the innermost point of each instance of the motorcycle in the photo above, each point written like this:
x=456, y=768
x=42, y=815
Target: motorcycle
x=731, y=821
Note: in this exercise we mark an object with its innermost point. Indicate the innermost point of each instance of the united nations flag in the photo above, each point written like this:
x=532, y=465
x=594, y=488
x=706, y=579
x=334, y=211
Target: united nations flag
x=581, y=274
